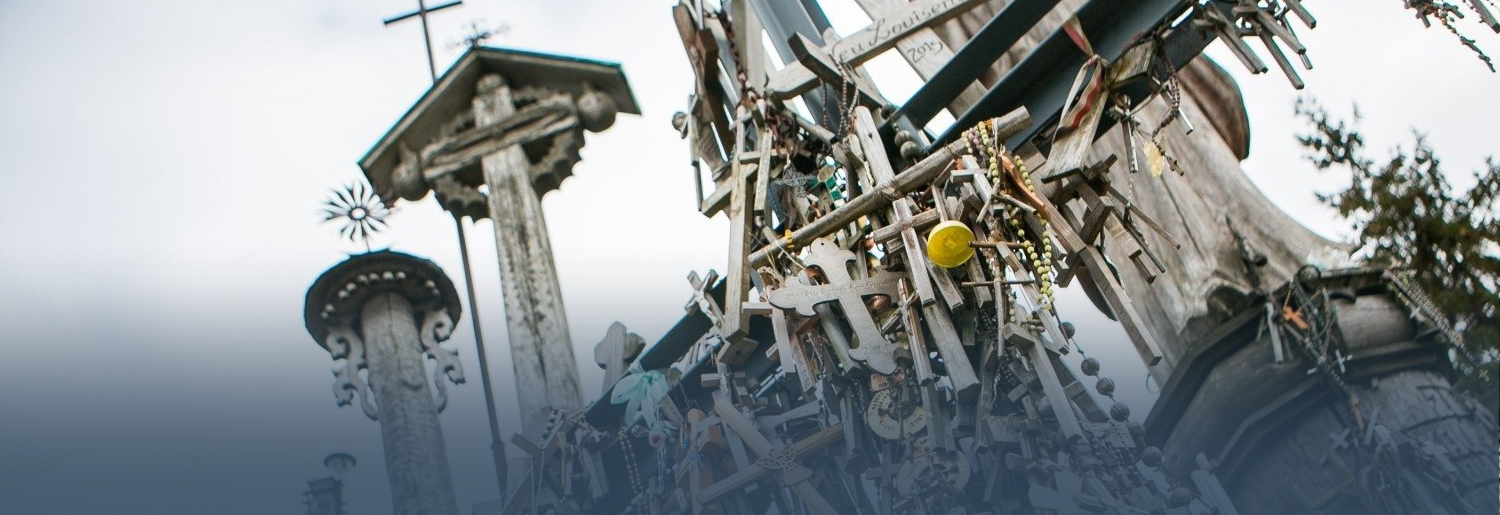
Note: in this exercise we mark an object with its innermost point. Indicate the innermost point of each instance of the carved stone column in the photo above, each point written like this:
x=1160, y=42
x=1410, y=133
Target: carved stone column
x=385, y=313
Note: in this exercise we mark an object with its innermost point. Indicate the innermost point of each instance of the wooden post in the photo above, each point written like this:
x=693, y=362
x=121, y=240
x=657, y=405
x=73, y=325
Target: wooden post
x=384, y=314
x=541, y=348
x=416, y=459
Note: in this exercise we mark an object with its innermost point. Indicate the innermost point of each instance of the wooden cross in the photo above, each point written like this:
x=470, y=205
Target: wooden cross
x=880, y=169
x=1294, y=317
x=788, y=352
x=882, y=34
x=924, y=51
x=1052, y=386
x=1109, y=211
x=780, y=459
x=707, y=124
x=937, y=418
x=615, y=352
x=850, y=293
x=1107, y=286
x=421, y=13
x=703, y=300
x=960, y=371
x=736, y=322
x=831, y=71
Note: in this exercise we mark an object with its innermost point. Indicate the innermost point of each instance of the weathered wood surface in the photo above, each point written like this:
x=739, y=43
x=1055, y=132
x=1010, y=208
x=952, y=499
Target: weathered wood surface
x=1225, y=405
x=1270, y=426
x=1421, y=404
x=882, y=35
x=536, y=323
x=849, y=293
x=911, y=179
x=616, y=352
x=782, y=460
x=924, y=50
x=416, y=459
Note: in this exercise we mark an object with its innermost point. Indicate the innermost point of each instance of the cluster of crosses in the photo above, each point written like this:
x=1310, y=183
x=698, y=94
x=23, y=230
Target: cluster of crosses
x=885, y=338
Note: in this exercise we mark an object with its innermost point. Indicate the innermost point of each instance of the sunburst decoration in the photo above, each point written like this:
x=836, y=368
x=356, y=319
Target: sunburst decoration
x=359, y=209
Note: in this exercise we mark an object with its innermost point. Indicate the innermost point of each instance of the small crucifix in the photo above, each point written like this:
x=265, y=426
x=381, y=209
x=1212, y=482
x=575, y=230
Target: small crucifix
x=421, y=13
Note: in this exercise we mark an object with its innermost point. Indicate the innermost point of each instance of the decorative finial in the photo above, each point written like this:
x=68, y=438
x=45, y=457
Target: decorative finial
x=478, y=34
x=360, y=210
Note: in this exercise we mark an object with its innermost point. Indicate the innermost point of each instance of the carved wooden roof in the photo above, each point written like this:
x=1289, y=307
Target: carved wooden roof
x=452, y=92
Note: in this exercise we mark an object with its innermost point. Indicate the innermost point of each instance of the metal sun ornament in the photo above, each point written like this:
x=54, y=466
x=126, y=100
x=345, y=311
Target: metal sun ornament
x=359, y=209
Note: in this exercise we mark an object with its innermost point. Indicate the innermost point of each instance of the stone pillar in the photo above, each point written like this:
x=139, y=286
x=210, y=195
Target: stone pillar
x=537, y=324
x=386, y=313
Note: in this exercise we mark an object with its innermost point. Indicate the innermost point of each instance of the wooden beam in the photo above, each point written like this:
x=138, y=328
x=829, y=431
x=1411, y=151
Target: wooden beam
x=909, y=180
x=881, y=35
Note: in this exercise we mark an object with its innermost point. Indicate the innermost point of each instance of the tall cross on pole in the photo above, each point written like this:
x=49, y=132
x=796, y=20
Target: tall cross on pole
x=497, y=447
x=421, y=12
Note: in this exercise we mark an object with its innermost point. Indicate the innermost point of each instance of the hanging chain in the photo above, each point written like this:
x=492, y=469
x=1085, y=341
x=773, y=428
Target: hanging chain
x=1418, y=302
x=1171, y=89
x=636, y=485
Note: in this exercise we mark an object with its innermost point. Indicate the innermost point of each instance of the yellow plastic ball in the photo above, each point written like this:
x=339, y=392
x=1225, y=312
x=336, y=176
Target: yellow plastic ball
x=948, y=244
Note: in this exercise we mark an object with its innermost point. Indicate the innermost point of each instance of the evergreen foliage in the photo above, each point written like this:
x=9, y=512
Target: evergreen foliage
x=1408, y=216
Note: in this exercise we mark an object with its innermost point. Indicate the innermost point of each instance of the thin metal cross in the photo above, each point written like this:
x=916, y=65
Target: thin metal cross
x=421, y=12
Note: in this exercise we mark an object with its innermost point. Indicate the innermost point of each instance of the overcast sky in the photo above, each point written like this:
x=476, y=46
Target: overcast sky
x=160, y=177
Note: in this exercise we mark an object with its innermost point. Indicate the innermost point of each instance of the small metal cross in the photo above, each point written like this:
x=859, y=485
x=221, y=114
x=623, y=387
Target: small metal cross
x=421, y=12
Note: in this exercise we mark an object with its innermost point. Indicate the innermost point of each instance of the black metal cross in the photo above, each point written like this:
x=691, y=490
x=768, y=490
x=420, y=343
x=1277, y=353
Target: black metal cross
x=421, y=12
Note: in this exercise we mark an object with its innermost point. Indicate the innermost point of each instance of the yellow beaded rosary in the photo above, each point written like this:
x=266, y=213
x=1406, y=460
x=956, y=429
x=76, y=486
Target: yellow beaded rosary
x=986, y=134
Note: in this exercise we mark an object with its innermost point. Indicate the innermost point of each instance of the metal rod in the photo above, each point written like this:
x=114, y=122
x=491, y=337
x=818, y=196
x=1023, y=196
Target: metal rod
x=497, y=447
x=431, y=64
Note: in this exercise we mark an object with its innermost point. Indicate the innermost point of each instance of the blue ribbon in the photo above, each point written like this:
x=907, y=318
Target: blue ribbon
x=639, y=390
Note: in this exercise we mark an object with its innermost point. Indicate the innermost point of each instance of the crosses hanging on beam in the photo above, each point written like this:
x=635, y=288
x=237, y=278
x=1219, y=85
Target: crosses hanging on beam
x=961, y=372
x=1246, y=19
x=421, y=13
